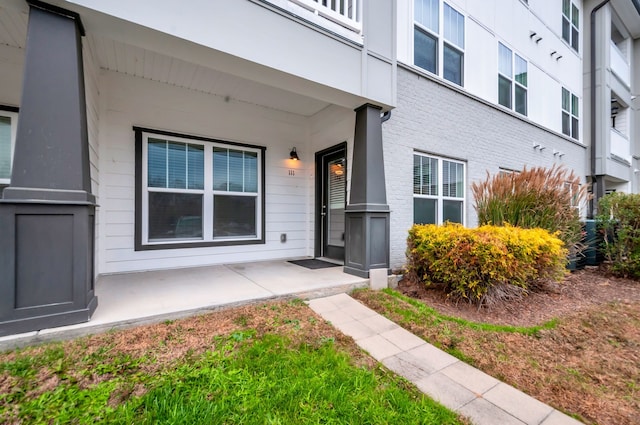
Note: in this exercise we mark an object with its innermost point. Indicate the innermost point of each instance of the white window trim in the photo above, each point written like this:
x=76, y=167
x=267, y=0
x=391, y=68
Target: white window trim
x=14, y=130
x=571, y=26
x=513, y=80
x=440, y=196
x=571, y=115
x=208, y=192
x=440, y=42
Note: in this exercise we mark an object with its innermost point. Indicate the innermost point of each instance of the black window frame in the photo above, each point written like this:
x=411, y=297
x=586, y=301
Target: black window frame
x=139, y=244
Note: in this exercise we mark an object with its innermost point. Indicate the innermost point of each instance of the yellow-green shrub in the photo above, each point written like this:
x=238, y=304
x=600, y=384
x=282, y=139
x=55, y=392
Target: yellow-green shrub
x=471, y=262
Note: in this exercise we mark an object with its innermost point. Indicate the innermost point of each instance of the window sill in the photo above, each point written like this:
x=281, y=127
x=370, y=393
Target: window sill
x=201, y=244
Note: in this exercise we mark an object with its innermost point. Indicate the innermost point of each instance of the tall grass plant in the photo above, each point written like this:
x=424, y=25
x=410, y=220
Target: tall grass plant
x=546, y=198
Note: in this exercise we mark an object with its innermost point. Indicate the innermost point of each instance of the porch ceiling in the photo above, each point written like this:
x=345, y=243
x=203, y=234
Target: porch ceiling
x=139, y=62
x=13, y=25
x=133, y=60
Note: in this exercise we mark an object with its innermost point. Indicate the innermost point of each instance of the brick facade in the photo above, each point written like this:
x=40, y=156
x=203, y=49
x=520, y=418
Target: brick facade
x=434, y=118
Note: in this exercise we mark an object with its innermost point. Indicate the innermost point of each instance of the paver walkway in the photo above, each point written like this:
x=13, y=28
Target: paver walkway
x=460, y=387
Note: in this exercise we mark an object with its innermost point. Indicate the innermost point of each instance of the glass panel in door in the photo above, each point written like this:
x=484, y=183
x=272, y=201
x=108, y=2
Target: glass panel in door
x=336, y=181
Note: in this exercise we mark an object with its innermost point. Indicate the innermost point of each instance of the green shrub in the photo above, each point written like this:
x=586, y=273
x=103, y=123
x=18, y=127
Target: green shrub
x=536, y=197
x=484, y=263
x=619, y=218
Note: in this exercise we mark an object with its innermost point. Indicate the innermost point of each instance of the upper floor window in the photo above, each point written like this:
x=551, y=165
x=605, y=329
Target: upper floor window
x=512, y=80
x=571, y=24
x=439, y=52
x=8, y=126
x=570, y=122
x=198, y=192
x=438, y=190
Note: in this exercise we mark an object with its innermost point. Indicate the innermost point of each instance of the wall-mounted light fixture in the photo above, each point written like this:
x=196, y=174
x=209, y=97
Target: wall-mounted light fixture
x=536, y=145
x=293, y=154
x=558, y=153
x=337, y=169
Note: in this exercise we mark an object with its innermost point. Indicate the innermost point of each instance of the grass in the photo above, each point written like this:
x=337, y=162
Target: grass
x=421, y=313
x=273, y=364
x=585, y=364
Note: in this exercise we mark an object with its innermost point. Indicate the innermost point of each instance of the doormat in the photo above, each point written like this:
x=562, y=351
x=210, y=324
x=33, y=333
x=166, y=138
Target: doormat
x=313, y=263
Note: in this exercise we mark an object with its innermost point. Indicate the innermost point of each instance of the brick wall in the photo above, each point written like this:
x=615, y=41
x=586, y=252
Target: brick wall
x=434, y=118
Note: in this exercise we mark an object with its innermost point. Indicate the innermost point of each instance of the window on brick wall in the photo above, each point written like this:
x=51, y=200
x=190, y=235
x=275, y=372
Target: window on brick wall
x=438, y=190
x=438, y=39
x=571, y=24
x=194, y=191
x=570, y=114
x=512, y=80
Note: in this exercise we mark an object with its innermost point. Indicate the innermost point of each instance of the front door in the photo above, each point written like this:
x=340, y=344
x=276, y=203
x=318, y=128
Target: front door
x=332, y=193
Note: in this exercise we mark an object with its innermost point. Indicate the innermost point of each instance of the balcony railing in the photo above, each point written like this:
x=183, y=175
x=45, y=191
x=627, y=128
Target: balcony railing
x=620, y=145
x=343, y=12
x=619, y=65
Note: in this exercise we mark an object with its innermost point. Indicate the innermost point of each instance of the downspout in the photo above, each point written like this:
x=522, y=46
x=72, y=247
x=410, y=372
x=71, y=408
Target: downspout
x=594, y=178
x=385, y=117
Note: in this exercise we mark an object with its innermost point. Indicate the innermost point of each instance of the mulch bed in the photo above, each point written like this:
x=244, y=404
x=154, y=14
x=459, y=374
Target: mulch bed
x=581, y=289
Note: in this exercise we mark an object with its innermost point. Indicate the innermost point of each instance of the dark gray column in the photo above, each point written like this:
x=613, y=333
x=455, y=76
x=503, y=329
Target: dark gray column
x=52, y=150
x=47, y=213
x=367, y=213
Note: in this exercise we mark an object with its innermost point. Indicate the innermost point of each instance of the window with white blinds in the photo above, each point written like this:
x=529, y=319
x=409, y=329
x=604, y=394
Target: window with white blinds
x=199, y=191
x=337, y=181
x=438, y=190
x=8, y=125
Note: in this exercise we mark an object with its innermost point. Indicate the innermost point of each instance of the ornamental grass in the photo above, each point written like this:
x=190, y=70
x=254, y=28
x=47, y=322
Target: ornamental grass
x=546, y=198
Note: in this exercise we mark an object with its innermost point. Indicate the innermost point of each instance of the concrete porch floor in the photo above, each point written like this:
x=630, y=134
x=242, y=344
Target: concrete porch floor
x=145, y=297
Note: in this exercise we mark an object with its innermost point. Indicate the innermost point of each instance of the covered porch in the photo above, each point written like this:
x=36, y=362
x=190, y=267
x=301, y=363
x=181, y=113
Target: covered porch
x=131, y=299
x=179, y=157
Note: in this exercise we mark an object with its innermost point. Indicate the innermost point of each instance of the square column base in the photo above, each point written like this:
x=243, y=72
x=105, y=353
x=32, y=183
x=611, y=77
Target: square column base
x=366, y=241
x=47, y=265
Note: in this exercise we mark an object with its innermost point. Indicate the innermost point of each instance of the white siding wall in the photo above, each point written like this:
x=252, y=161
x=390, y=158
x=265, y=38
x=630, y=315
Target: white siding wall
x=511, y=22
x=92, y=98
x=329, y=127
x=132, y=101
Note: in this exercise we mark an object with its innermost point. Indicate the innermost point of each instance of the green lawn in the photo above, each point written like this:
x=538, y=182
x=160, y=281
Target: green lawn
x=286, y=369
